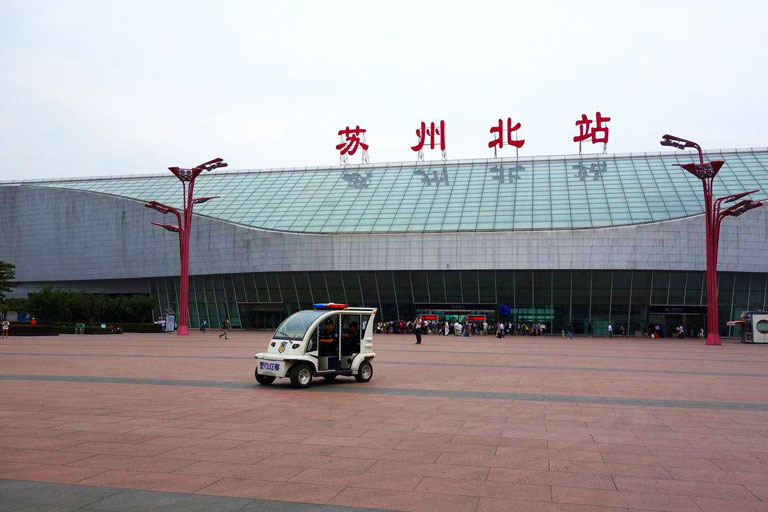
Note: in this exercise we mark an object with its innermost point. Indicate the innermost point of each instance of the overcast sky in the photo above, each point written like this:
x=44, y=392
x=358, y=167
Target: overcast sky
x=120, y=87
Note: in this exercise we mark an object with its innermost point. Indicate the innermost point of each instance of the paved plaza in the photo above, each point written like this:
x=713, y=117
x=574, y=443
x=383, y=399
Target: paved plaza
x=155, y=422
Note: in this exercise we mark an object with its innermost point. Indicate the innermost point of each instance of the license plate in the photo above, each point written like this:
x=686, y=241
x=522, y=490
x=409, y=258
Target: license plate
x=271, y=368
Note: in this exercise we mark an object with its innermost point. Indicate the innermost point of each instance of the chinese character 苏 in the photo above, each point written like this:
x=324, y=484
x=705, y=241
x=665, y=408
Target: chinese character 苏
x=357, y=179
x=350, y=140
x=433, y=177
x=498, y=142
x=424, y=132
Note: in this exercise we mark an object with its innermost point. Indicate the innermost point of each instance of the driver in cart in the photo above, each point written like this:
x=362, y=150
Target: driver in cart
x=329, y=346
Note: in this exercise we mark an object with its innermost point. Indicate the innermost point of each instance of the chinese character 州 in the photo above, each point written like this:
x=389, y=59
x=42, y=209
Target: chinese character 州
x=424, y=132
x=499, y=131
x=433, y=177
x=585, y=132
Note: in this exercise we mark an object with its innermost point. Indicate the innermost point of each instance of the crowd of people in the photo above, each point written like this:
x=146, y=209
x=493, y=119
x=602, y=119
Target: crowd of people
x=466, y=328
x=501, y=329
x=680, y=332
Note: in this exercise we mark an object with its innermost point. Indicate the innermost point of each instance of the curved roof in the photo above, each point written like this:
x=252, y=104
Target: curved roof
x=541, y=193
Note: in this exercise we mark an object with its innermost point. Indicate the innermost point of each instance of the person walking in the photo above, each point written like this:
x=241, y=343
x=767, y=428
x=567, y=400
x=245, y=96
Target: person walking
x=610, y=330
x=417, y=330
x=590, y=329
x=6, y=327
x=570, y=331
x=225, y=326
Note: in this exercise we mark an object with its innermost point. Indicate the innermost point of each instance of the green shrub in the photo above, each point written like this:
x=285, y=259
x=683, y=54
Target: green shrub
x=51, y=305
x=69, y=327
x=31, y=330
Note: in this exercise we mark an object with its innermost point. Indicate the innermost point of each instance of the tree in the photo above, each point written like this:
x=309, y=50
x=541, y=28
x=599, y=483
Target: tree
x=51, y=305
x=7, y=275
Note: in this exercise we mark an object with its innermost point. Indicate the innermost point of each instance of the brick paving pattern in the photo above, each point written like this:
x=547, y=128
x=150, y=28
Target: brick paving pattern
x=457, y=424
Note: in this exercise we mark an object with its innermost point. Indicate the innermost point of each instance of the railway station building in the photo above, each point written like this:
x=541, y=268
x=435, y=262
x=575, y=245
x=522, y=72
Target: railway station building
x=556, y=239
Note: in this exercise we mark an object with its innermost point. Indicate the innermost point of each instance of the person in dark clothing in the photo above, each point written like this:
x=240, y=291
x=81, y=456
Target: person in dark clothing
x=417, y=330
x=225, y=326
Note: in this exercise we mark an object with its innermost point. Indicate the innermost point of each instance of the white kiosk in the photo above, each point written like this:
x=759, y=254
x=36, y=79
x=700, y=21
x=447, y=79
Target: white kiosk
x=754, y=326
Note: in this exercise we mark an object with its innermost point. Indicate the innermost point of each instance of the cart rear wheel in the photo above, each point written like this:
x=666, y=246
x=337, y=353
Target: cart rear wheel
x=301, y=375
x=365, y=372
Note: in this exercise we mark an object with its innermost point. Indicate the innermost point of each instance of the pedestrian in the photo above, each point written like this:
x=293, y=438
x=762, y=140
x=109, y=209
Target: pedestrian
x=610, y=330
x=590, y=328
x=417, y=330
x=6, y=327
x=225, y=326
x=33, y=322
x=570, y=331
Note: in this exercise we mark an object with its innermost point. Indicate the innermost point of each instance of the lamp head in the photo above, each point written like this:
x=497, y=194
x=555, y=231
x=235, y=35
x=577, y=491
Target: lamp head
x=199, y=200
x=734, y=197
x=167, y=227
x=160, y=207
x=677, y=142
x=743, y=207
x=212, y=164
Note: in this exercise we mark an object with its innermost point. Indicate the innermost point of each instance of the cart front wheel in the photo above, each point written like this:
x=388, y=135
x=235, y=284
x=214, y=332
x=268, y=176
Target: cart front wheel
x=365, y=372
x=264, y=380
x=301, y=376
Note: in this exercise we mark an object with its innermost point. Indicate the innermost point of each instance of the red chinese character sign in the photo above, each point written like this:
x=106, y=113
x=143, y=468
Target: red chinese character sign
x=431, y=132
x=349, y=141
x=598, y=134
x=498, y=142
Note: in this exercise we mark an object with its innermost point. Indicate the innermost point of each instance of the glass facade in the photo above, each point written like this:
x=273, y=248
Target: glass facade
x=633, y=299
x=539, y=193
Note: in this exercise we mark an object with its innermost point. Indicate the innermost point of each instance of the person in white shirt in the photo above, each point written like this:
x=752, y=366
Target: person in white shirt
x=6, y=327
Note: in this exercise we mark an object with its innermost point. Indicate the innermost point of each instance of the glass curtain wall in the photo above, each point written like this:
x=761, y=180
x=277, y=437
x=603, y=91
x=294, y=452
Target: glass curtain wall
x=635, y=300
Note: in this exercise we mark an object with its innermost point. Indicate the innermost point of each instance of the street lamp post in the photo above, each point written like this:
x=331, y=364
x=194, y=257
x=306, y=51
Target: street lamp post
x=184, y=220
x=714, y=215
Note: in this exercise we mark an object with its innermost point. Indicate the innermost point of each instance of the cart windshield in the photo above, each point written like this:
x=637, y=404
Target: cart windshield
x=296, y=325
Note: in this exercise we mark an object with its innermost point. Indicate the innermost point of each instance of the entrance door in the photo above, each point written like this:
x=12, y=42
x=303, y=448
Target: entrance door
x=261, y=316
